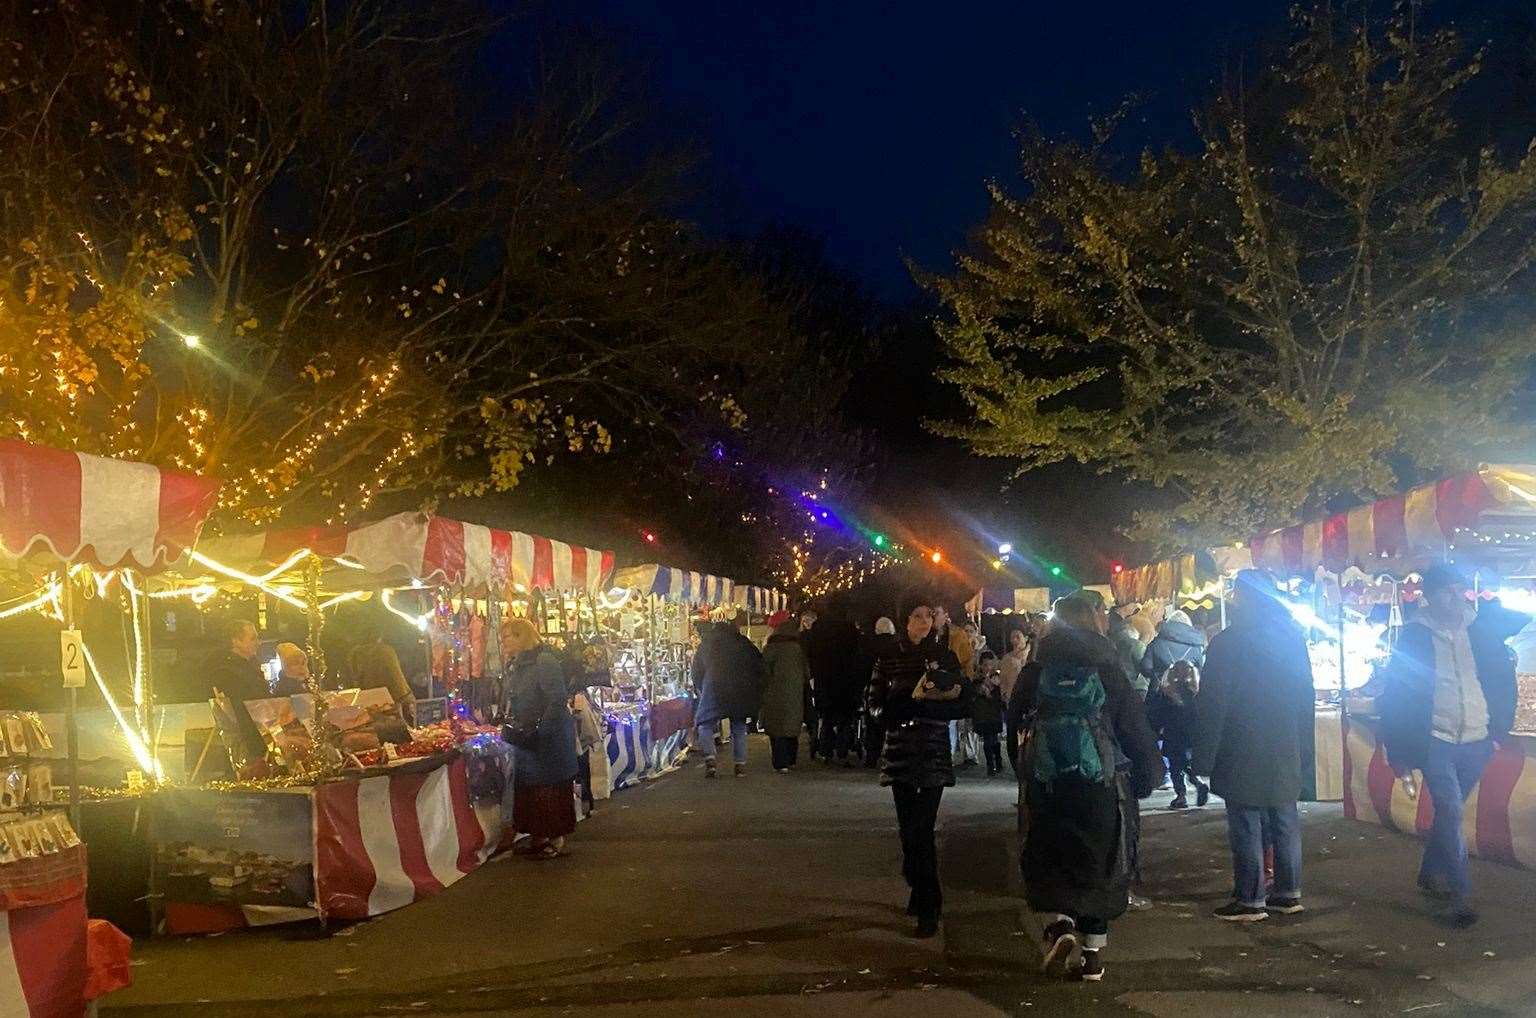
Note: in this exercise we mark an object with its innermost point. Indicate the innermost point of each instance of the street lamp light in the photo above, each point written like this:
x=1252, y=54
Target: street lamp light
x=1005, y=548
x=192, y=342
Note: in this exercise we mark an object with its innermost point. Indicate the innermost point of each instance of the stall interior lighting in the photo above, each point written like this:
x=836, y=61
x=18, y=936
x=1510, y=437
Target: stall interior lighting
x=418, y=622
x=48, y=595
x=136, y=744
x=264, y=581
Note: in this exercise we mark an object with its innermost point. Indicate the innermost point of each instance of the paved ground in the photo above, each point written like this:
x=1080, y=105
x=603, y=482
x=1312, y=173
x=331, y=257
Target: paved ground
x=781, y=895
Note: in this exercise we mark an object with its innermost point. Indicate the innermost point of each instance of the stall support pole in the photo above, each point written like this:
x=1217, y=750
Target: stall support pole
x=71, y=723
x=1343, y=658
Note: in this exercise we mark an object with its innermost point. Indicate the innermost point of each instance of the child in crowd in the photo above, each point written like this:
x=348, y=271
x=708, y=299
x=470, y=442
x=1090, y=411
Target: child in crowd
x=987, y=714
x=1171, y=712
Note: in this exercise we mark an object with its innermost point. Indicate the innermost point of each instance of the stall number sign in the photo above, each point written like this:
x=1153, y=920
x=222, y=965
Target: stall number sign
x=72, y=658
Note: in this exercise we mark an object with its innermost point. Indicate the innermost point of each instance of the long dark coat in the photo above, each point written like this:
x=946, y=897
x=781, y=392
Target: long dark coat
x=728, y=672
x=1255, y=712
x=1080, y=841
x=832, y=647
x=538, y=690
x=783, y=711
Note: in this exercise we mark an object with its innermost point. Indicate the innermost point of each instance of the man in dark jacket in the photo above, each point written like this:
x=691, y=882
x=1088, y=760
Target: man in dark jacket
x=1080, y=837
x=1177, y=640
x=1450, y=696
x=728, y=672
x=1253, y=736
x=235, y=673
x=834, y=659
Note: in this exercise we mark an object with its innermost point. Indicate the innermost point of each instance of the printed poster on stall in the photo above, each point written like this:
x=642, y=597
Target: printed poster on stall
x=234, y=848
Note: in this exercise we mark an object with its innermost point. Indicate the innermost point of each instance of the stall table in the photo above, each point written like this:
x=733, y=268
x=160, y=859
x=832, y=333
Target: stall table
x=344, y=849
x=1499, y=820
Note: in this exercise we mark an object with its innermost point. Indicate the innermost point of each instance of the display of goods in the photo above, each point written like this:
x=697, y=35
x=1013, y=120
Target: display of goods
x=1525, y=707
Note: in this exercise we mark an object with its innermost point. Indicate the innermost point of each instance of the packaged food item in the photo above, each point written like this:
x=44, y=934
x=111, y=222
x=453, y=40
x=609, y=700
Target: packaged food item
x=38, y=739
x=66, y=834
x=40, y=784
x=7, y=851
x=43, y=834
x=22, y=840
x=16, y=734
x=13, y=789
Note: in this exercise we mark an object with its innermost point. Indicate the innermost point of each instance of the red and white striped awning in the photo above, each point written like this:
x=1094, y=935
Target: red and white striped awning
x=432, y=549
x=104, y=512
x=1422, y=521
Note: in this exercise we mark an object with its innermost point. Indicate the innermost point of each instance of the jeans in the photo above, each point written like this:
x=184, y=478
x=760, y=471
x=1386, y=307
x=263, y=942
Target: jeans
x=1095, y=931
x=917, y=811
x=836, y=734
x=1451, y=772
x=962, y=741
x=1248, y=827
x=786, y=749
x=706, y=741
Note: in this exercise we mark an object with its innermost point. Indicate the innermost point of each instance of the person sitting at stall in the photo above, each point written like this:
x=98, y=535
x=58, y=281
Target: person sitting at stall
x=293, y=678
x=375, y=665
x=235, y=673
x=543, y=737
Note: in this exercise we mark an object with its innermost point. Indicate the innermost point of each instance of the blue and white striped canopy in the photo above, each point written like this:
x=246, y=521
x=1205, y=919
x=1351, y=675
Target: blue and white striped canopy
x=761, y=600
x=677, y=584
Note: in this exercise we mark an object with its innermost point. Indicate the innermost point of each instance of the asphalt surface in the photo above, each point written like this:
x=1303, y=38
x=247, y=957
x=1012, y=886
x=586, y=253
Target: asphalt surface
x=782, y=895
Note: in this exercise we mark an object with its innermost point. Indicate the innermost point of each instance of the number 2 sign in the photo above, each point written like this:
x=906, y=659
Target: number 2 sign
x=72, y=658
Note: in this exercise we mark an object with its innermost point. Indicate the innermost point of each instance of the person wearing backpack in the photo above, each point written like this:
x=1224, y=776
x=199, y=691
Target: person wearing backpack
x=1088, y=755
x=916, y=690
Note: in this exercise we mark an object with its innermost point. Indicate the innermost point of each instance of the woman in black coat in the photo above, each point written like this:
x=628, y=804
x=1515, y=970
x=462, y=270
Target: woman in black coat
x=1080, y=843
x=916, y=690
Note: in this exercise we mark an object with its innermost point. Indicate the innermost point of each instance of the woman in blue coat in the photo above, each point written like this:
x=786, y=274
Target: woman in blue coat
x=543, y=801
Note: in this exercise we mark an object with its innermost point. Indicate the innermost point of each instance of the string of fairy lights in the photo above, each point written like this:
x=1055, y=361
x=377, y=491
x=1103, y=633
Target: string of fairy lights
x=861, y=553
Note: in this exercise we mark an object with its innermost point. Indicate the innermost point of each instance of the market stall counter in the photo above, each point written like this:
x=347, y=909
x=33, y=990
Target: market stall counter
x=347, y=848
x=1498, y=821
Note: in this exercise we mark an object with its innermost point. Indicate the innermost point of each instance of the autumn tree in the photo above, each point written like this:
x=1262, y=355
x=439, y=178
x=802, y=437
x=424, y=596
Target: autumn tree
x=317, y=250
x=1327, y=299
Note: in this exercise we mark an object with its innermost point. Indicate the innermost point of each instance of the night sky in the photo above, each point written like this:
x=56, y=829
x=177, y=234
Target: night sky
x=876, y=125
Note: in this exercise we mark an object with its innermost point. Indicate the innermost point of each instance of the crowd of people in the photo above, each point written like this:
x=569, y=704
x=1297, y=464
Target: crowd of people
x=1094, y=709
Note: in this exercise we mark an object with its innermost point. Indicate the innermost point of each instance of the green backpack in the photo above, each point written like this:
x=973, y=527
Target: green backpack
x=1068, y=738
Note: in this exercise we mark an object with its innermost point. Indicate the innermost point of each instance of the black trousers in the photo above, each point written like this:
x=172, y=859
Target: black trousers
x=836, y=735
x=1179, y=764
x=993, y=747
x=874, y=741
x=1013, y=747
x=917, y=810
x=785, y=749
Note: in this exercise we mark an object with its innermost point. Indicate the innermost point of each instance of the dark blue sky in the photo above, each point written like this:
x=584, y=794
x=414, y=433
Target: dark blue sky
x=877, y=124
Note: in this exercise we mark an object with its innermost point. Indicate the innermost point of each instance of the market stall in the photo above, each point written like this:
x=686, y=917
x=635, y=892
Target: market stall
x=66, y=519
x=1354, y=573
x=650, y=712
x=405, y=811
x=1363, y=564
